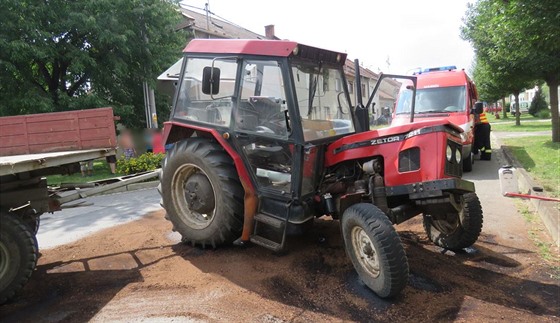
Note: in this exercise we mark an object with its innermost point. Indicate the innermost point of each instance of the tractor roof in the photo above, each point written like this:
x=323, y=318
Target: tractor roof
x=277, y=48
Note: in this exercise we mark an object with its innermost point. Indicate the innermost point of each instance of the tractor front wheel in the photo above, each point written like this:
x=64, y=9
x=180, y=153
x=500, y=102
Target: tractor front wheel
x=456, y=230
x=18, y=255
x=375, y=249
x=201, y=193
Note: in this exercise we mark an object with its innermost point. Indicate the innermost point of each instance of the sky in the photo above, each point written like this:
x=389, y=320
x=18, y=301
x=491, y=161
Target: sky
x=406, y=33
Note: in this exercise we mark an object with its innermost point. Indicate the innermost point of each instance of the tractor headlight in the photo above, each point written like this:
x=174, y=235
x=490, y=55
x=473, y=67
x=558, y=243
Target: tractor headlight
x=449, y=153
x=458, y=156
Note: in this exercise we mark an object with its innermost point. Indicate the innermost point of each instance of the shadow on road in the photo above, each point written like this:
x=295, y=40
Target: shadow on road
x=78, y=289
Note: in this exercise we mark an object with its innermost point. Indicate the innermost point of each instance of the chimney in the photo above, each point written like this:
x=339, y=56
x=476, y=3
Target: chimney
x=269, y=32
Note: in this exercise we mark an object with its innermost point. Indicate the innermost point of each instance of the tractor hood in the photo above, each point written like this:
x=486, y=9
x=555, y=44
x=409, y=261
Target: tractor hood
x=388, y=135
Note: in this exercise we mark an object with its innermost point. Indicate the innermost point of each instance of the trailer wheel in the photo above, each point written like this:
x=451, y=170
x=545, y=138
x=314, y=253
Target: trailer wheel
x=201, y=193
x=33, y=222
x=455, y=231
x=18, y=255
x=375, y=249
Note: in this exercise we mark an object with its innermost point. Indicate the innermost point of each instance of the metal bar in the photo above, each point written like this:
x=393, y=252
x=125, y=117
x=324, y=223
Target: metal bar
x=544, y=198
x=100, y=189
x=359, y=100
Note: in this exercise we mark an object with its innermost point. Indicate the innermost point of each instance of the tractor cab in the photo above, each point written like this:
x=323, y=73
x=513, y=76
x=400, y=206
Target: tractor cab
x=278, y=103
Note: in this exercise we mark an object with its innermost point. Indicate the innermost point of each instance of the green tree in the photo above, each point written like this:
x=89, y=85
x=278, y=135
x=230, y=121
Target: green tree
x=520, y=39
x=495, y=84
x=61, y=55
x=538, y=103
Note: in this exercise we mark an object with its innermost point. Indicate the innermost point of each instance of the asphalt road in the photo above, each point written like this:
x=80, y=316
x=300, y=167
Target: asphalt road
x=102, y=212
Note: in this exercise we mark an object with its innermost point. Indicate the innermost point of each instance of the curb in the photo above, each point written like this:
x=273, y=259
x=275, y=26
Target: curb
x=547, y=210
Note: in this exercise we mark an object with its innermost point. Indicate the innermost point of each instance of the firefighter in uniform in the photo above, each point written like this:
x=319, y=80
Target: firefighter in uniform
x=482, y=137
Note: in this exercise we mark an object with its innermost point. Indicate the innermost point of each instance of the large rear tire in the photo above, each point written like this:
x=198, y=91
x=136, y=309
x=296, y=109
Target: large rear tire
x=455, y=231
x=18, y=255
x=201, y=193
x=375, y=249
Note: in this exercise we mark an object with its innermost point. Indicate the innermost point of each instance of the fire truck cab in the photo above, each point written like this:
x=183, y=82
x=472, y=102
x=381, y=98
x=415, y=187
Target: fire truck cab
x=443, y=93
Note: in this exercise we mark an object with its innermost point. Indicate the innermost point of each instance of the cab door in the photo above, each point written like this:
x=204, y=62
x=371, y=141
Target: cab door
x=262, y=130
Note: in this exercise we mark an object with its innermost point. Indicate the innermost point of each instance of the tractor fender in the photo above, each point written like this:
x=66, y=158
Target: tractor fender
x=175, y=131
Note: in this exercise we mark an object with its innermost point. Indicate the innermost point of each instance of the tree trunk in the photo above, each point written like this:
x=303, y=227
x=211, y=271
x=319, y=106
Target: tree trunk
x=553, y=90
x=517, y=113
x=504, y=108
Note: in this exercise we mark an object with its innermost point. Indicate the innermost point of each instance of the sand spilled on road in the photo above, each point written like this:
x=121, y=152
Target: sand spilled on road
x=140, y=271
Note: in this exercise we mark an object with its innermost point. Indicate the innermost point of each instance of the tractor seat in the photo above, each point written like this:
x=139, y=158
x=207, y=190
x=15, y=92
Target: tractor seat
x=262, y=151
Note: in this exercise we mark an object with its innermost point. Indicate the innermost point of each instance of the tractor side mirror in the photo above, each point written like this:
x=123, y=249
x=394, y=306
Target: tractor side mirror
x=210, y=80
x=478, y=108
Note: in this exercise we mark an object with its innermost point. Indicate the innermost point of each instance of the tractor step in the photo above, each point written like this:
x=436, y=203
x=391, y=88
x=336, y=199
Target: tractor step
x=270, y=220
x=269, y=231
x=268, y=244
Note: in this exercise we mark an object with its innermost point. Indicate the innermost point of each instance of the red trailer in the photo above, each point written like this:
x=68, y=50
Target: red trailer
x=32, y=147
x=57, y=131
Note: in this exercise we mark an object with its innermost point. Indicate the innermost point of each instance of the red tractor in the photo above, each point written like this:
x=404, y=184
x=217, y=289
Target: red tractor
x=265, y=140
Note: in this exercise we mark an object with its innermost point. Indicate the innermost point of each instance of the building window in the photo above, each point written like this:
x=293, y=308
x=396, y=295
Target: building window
x=350, y=87
x=338, y=85
x=363, y=90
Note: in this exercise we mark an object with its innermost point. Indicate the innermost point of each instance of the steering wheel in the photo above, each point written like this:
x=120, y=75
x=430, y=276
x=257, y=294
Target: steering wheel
x=451, y=108
x=263, y=129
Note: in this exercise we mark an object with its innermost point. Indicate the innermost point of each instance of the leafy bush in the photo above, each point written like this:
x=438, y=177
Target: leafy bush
x=538, y=103
x=143, y=163
x=543, y=114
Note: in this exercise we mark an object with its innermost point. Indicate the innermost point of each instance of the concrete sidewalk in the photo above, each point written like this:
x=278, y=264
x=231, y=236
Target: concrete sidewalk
x=548, y=211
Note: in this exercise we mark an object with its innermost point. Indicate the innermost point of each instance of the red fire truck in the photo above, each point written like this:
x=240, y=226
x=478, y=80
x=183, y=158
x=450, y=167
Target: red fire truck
x=448, y=93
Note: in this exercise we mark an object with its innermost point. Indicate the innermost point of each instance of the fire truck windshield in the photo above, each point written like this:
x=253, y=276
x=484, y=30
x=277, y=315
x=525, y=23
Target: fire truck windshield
x=434, y=100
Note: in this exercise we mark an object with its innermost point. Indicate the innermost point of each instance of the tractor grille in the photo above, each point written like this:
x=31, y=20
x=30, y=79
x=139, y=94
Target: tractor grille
x=409, y=160
x=452, y=168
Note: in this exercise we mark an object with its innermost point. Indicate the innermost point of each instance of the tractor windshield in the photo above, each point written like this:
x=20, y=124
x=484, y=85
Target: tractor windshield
x=323, y=104
x=194, y=105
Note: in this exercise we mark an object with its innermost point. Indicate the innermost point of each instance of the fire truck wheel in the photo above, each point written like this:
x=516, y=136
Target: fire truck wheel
x=18, y=255
x=455, y=231
x=468, y=162
x=201, y=193
x=375, y=249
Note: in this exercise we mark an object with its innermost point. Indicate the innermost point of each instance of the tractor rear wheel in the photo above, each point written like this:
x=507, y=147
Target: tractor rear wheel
x=201, y=193
x=18, y=255
x=455, y=231
x=375, y=249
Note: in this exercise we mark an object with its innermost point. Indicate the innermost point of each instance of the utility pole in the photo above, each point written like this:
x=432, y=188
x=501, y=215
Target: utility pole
x=207, y=18
x=149, y=96
x=150, y=106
